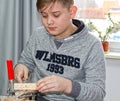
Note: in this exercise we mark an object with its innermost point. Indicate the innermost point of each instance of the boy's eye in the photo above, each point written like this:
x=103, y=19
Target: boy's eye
x=44, y=16
x=56, y=15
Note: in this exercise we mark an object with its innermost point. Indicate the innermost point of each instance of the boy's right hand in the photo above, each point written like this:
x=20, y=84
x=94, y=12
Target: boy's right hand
x=21, y=71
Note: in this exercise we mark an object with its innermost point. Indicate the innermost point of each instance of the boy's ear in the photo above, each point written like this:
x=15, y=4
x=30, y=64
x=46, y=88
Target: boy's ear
x=73, y=11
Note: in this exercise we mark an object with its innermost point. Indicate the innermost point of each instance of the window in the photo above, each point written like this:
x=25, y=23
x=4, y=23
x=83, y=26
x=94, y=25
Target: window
x=96, y=11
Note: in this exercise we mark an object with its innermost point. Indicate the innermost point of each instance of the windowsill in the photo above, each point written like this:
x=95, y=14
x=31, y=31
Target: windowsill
x=112, y=55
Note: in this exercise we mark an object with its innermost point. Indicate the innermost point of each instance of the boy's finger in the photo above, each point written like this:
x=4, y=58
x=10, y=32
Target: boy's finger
x=26, y=75
x=19, y=79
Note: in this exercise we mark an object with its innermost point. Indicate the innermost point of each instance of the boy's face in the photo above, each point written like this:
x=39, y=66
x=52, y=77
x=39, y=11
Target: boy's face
x=57, y=19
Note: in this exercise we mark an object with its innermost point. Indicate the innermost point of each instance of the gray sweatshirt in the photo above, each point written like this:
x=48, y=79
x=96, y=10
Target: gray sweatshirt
x=79, y=57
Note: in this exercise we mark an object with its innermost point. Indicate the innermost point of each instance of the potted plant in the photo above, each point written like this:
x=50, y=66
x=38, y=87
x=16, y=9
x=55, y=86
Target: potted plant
x=113, y=27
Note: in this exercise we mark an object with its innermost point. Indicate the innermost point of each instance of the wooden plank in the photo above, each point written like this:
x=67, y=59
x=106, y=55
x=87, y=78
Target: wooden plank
x=24, y=86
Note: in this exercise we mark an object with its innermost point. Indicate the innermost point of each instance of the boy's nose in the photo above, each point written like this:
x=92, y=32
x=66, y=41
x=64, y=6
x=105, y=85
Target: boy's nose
x=50, y=20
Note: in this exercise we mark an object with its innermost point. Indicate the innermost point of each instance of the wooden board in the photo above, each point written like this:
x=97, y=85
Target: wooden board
x=24, y=86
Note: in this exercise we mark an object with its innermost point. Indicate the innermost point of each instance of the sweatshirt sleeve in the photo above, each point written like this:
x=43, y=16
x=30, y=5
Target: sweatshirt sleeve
x=93, y=89
x=26, y=57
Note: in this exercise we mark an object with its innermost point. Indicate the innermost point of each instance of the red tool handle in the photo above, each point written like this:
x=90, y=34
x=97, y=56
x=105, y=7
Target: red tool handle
x=10, y=69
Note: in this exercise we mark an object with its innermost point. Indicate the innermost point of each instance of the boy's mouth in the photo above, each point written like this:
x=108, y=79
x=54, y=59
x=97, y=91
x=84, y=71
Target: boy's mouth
x=52, y=28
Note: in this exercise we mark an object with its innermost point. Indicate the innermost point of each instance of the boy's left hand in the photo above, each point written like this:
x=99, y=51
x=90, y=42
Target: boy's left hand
x=54, y=84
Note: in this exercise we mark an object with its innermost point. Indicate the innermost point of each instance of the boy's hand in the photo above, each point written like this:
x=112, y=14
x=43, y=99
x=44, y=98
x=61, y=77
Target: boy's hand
x=21, y=72
x=54, y=84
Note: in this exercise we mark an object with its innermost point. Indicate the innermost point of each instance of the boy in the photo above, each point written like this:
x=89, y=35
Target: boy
x=68, y=61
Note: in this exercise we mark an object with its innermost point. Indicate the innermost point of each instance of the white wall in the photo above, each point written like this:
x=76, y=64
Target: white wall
x=113, y=80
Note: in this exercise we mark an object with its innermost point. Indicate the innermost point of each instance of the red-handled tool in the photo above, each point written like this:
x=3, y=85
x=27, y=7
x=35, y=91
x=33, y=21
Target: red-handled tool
x=10, y=76
x=10, y=70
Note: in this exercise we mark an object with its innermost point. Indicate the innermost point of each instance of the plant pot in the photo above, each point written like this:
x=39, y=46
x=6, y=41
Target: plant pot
x=105, y=45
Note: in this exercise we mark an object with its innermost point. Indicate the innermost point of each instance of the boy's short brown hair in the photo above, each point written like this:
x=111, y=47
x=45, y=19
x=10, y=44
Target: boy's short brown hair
x=42, y=3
